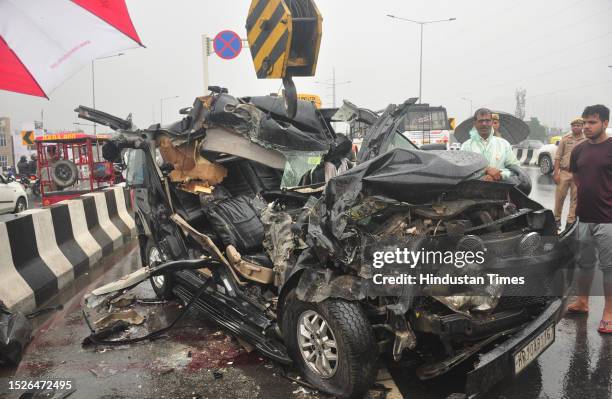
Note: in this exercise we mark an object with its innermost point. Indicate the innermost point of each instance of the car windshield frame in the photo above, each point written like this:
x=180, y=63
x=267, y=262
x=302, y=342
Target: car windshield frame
x=397, y=133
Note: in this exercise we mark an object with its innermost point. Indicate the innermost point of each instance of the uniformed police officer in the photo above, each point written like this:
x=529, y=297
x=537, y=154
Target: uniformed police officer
x=562, y=176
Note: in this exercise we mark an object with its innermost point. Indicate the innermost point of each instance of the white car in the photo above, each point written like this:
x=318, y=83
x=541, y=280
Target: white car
x=13, y=197
x=546, y=154
x=545, y=158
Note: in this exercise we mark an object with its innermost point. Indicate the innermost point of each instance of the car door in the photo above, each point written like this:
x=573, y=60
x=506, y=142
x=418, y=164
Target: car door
x=6, y=195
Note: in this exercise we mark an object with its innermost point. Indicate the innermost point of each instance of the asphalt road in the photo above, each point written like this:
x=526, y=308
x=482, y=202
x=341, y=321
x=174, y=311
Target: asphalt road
x=197, y=360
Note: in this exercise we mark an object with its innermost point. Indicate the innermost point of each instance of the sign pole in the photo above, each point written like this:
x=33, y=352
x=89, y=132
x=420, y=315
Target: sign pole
x=206, y=51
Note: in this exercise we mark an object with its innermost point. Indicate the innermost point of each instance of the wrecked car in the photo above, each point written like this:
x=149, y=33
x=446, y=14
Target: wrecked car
x=258, y=222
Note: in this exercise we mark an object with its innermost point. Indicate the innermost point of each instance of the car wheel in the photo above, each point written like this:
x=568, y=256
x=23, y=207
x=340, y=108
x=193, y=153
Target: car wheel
x=545, y=165
x=162, y=285
x=21, y=205
x=332, y=344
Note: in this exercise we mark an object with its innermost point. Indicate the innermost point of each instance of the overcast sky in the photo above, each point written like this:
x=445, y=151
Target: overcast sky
x=558, y=50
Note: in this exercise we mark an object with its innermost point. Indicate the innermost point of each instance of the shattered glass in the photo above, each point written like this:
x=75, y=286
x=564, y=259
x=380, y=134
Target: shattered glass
x=298, y=164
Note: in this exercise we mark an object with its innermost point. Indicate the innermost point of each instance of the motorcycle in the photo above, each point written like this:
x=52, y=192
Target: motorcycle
x=35, y=185
x=31, y=182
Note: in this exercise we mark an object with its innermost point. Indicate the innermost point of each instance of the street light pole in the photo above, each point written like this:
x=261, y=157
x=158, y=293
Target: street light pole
x=421, y=66
x=93, y=81
x=161, y=107
x=422, y=23
x=334, y=87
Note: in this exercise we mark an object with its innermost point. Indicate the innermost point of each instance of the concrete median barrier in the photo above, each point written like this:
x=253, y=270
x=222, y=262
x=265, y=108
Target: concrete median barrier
x=43, y=250
x=526, y=156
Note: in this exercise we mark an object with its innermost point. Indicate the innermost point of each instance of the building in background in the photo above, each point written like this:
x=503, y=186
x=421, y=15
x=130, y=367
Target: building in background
x=7, y=153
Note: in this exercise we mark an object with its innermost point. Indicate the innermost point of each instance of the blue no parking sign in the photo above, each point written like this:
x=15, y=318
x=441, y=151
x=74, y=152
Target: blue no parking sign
x=227, y=44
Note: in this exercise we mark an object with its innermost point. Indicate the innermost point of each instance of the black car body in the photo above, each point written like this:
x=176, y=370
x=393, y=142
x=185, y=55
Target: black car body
x=287, y=250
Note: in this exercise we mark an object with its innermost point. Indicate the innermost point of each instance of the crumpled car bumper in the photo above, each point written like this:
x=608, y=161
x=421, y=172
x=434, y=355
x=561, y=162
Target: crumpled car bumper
x=498, y=363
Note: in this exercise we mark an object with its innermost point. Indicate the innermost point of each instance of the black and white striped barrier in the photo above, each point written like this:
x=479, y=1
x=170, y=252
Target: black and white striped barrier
x=42, y=250
x=528, y=156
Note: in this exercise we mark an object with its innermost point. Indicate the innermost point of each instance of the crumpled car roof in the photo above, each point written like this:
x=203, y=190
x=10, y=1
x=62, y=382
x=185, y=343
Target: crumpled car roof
x=263, y=121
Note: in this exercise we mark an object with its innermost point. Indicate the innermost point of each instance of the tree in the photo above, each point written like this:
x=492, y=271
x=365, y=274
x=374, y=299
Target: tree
x=537, y=131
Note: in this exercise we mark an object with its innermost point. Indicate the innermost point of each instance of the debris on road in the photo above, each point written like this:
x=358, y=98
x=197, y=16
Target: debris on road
x=123, y=301
x=15, y=333
x=128, y=316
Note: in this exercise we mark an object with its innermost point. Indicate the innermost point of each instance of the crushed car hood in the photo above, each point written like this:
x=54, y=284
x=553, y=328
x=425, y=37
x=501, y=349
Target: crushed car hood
x=406, y=175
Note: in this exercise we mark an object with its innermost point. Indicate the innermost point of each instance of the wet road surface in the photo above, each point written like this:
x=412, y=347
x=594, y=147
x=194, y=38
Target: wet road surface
x=194, y=360
x=197, y=360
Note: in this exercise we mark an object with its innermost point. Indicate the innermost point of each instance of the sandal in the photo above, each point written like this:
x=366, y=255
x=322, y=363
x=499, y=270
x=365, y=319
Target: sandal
x=605, y=327
x=573, y=309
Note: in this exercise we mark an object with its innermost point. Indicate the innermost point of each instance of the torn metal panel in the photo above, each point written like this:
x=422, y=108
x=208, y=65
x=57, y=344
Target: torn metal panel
x=266, y=130
x=383, y=133
x=349, y=112
x=248, y=267
x=188, y=164
x=279, y=241
x=319, y=285
x=222, y=140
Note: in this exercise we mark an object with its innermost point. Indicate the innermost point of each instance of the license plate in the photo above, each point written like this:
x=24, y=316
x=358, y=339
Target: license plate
x=533, y=349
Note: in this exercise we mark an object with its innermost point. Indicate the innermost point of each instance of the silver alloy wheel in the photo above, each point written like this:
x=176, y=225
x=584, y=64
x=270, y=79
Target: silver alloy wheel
x=545, y=165
x=317, y=344
x=21, y=205
x=155, y=258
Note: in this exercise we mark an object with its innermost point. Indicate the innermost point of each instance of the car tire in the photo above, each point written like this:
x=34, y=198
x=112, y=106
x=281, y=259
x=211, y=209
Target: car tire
x=21, y=205
x=308, y=325
x=545, y=165
x=64, y=173
x=162, y=285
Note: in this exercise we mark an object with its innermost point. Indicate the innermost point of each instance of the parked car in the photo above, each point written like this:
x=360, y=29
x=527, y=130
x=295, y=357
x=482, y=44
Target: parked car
x=529, y=144
x=546, y=154
x=227, y=225
x=545, y=158
x=13, y=197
